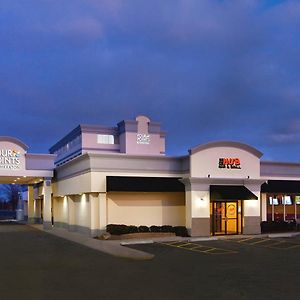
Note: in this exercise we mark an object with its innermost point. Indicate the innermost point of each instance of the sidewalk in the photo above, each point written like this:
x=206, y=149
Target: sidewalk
x=109, y=247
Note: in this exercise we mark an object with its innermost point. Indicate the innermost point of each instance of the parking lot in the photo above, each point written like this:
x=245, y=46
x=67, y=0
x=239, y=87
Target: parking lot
x=37, y=265
x=237, y=268
x=235, y=245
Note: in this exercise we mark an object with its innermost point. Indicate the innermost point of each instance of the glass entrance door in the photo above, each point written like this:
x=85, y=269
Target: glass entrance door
x=225, y=217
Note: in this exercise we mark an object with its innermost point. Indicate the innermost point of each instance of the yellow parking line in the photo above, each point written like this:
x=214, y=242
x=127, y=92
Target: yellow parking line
x=179, y=246
x=210, y=249
x=172, y=243
x=247, y=239
x=276, y=243
x=197, y=248
x=261, y=241
x=223, y=251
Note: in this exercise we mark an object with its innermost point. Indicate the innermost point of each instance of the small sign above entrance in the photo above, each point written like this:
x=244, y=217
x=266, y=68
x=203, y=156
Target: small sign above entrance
x=229, y=163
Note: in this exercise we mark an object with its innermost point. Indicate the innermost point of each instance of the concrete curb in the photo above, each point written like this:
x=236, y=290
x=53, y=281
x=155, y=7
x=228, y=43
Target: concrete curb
x=203, y=239
x=142, y=242
x=283, y=235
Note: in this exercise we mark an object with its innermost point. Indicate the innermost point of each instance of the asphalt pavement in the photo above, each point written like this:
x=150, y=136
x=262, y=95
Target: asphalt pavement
x=39, y=265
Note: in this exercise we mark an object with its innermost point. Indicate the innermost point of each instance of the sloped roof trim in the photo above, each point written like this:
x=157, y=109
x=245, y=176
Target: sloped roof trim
x=231, y=144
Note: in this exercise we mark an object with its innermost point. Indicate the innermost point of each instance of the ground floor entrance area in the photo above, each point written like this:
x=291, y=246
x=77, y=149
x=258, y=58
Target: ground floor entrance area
x=226, y=217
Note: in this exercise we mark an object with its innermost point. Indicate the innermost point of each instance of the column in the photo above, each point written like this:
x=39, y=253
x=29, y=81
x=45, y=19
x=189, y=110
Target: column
x=102, y=212
x=47, y=207
x=264, y=207
x=94, y=221
x=200, y=213
x=252, y=211
x=71, y=214
x=197, y=207
x=30, y=204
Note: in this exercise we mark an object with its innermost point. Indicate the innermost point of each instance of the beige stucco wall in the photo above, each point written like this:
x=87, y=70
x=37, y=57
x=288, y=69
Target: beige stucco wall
x=37, y=208
x=60, y=209
x=82, y=210
x=146, y=208
x=71, y=186
x=206, y=162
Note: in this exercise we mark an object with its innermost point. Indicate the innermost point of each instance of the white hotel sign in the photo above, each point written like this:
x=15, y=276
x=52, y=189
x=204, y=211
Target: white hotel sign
x=10, y=159
x=143, y=139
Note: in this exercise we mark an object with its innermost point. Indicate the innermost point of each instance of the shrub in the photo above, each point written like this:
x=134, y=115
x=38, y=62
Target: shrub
x=167, y=228
x=132, y=229
x=144, y=229
x=155, y=228
x=117, y=229
x=181, y=231
x=277, y=226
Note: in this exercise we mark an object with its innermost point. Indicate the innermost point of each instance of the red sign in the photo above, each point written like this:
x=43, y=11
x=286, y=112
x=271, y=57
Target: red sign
x=229, y=163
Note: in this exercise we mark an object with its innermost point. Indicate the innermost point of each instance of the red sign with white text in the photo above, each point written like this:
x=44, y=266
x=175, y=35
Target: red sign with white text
x=229, y=163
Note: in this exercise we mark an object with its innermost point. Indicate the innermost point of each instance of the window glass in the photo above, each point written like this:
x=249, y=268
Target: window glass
x=105, y=139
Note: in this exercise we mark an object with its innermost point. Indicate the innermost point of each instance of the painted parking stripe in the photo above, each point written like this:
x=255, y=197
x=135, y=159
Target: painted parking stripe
x=175, y=244
x=189, y=246
x=220, y=251
x=261, y=241
x=198, y=248
x=252, y=241
x=246, y=240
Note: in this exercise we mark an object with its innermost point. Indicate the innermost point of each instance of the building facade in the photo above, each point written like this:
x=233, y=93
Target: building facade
x=121, y=175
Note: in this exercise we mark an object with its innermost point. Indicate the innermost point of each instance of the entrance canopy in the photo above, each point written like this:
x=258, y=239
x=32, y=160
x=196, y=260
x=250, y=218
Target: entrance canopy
x=19, y=167
x=281, y=186
x=230, y=192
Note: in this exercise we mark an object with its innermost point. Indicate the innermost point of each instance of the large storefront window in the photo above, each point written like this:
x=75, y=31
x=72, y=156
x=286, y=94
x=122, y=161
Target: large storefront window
x=283, y=207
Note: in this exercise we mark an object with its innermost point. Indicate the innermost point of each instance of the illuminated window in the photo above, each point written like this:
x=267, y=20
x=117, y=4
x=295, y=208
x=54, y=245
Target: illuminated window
x=105, y=139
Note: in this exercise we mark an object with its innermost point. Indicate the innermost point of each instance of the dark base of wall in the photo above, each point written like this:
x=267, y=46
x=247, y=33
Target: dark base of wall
x=200, y=227
x=34, y=220
x=61, y=225
x=251, y=225
x=80, y=229
x=47, y=225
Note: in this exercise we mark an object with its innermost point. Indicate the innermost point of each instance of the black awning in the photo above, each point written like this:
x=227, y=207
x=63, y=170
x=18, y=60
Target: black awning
x=230, y=192
x=281, y=186
x=143, y=184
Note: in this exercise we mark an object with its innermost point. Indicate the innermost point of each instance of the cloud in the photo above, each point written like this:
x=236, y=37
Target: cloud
x=206, y=69
x=84, y=28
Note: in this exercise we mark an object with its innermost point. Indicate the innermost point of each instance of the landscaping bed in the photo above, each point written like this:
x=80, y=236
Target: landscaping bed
x=138, y=235
x=121, y=231
x=279, y=226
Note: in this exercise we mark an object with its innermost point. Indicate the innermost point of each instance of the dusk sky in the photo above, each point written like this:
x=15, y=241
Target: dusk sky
x=206, y=69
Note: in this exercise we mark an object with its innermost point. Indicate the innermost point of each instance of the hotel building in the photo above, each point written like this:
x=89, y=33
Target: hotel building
x=99, y=175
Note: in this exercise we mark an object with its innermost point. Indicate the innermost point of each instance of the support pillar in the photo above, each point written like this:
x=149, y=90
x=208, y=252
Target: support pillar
x=102, y=212
x=71, y=214
x=47, y=207
x=264, y=212
x=197, y=207
x=252, y=211
x=94, y=206
x=30, y=204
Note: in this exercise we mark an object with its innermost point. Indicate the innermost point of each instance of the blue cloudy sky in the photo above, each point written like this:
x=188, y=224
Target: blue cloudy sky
x=206, y=69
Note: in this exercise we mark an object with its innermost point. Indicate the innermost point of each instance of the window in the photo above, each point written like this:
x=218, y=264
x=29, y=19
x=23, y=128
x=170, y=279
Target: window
x=105, y=139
